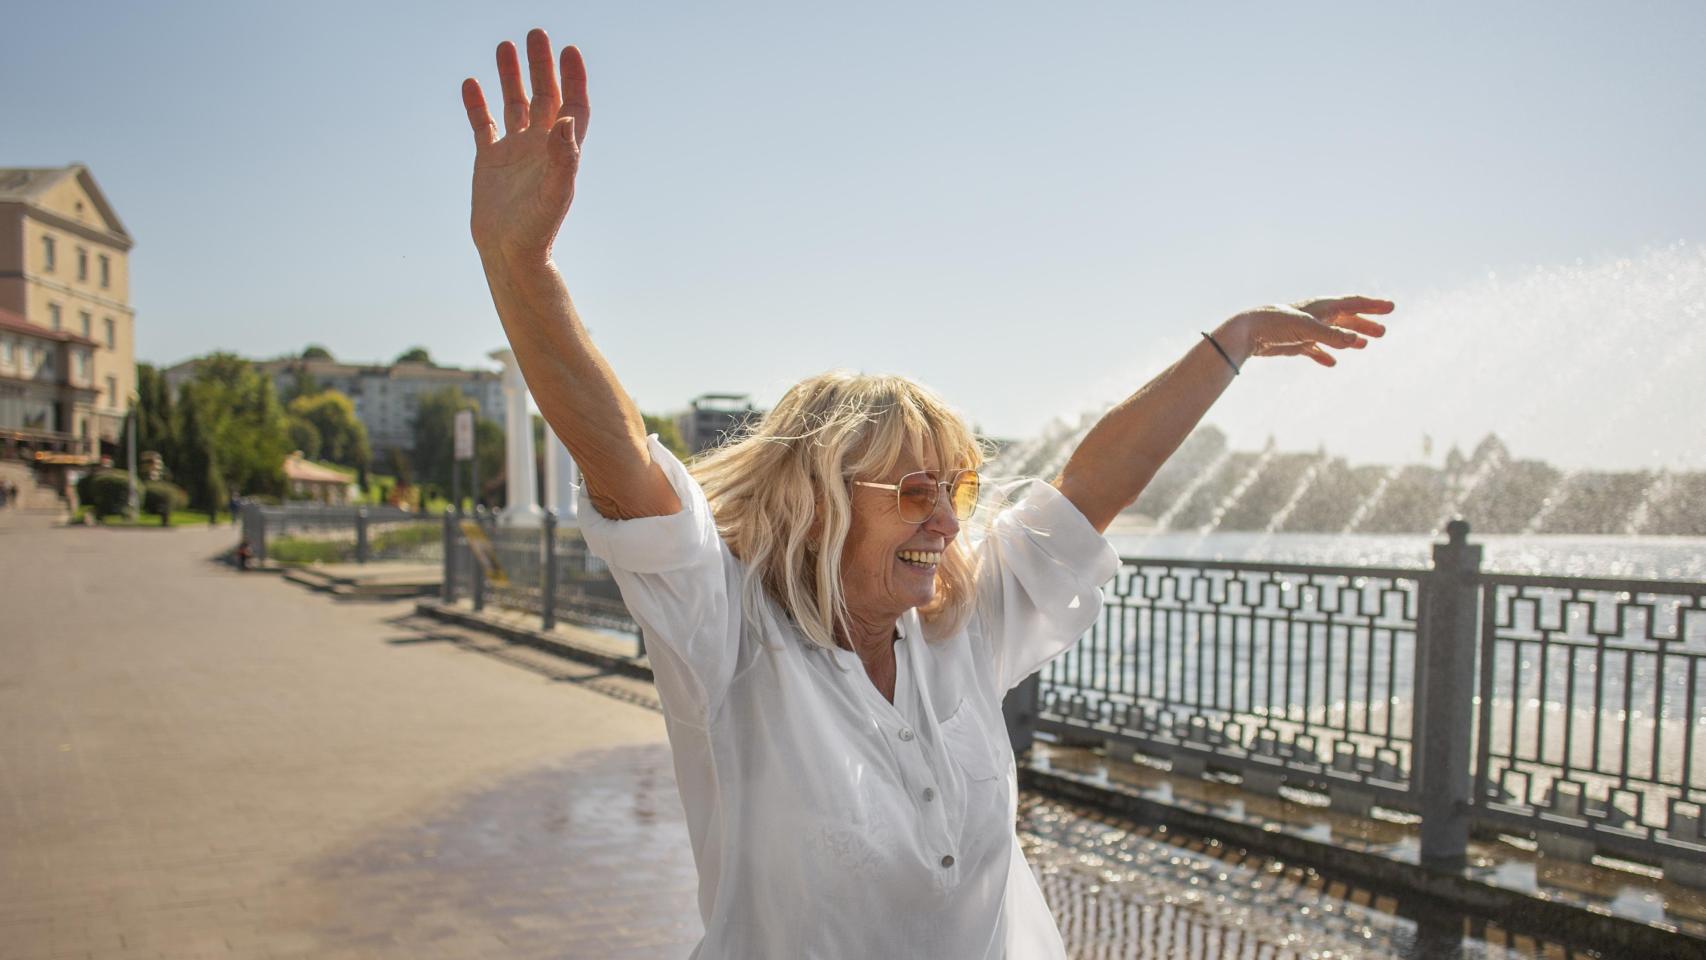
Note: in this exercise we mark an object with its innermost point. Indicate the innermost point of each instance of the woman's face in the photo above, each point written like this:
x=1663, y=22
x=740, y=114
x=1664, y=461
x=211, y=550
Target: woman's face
x=888, y=566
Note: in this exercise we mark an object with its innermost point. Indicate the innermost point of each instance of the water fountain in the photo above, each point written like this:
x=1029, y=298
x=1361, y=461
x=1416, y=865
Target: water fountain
x=1239, y=489
x=1165, y=521
x=1556, y=360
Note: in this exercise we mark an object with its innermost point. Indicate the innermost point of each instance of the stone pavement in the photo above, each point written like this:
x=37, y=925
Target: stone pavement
x=200, y=763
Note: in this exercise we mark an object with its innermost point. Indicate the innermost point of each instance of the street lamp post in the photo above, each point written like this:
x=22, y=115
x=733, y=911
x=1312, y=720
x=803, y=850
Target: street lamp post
x=132, y=504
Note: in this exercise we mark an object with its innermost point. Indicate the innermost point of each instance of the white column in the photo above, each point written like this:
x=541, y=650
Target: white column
x=523, y=508
x=561, y=476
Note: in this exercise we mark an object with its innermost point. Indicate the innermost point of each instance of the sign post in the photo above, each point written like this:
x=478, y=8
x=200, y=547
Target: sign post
x=464, y=435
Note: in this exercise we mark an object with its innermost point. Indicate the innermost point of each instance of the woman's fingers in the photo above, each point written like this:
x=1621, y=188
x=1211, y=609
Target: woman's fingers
x=509, y=78
x=1349, y=305
x=541, y=71
x=574, y=91
x=485, y=132
x=1362, y=325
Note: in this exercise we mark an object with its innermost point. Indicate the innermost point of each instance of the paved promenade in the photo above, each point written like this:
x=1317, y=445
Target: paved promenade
x=201, y=763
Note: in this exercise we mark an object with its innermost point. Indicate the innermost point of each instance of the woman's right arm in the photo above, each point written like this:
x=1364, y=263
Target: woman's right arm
x=524, y=183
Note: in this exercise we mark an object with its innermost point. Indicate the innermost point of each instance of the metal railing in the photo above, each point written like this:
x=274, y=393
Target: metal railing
x=1566, y=709
x=1590, y=700
x=547, y=571
x=339, y=534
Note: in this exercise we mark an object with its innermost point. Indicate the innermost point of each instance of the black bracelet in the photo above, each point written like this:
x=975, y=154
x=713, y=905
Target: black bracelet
x=1223, y=356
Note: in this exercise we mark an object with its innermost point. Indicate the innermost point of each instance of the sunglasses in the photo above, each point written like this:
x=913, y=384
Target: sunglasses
x=916, y=495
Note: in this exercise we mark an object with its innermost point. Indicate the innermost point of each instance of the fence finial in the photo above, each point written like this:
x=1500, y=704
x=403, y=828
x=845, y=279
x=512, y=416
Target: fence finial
x=1457, y=532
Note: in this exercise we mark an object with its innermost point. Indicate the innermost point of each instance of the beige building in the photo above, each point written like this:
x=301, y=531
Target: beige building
x=64, y=269
x=385, y=396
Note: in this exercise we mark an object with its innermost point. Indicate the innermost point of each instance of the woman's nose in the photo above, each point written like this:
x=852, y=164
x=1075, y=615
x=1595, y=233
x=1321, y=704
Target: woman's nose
x=942, y=521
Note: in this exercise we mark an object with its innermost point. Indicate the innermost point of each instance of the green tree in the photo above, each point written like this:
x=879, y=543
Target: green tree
x=414, y=355
x=435, y=437
x=489, y=451
x=302, y=384
x=246, y=428
x=343, y=438
x=156, y=422
x=316, y=352
x=198, y=465
x=304, y=436
x=667, y=433
x=397, y=463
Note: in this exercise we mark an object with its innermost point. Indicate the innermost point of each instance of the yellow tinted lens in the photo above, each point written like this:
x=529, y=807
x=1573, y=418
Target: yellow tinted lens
x=917, y=497
x=966, y=487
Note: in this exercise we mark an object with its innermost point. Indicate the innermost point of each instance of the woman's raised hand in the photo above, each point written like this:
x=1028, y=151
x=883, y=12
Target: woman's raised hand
x=1306, y=328
x=524, y=181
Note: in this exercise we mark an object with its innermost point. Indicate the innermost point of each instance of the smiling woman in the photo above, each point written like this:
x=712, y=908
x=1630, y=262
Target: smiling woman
x=830, y=654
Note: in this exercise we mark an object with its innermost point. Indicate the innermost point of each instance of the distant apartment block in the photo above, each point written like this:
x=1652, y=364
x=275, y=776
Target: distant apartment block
x=386, y=396
x=713, y=418
x=67, y=329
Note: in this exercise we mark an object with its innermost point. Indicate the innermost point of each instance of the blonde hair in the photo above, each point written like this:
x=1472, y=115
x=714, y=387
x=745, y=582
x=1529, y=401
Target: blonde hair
x=781, y=499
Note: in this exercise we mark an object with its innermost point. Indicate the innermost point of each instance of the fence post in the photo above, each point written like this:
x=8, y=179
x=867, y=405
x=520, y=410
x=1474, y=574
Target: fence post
x=1020, y=711
x=260, y=542
x=360, y=534
x=475, y=570
x=548, y=586
x=1445, y=677
x=447, y=589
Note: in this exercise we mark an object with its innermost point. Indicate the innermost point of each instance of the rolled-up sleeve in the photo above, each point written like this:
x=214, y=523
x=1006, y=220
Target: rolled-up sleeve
x=1038, y=578
x=680, y=583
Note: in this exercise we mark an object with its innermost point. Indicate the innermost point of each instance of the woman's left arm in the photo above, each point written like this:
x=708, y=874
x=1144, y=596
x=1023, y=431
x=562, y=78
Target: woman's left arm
x=1122, y=452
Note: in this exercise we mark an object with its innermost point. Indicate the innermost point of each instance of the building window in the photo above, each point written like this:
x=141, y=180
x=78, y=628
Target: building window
x=6, y=350
x=53, y=316
x=108, y=323
x=82, y=264
x=112, y=392
x=106, y=272
x=49, y=261
x=87, y=321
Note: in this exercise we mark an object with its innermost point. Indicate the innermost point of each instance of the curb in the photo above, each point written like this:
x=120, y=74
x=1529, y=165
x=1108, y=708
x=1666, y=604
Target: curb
x=537, y=639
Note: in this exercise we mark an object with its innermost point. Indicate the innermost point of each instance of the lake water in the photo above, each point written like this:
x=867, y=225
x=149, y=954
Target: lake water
x=1642, y=558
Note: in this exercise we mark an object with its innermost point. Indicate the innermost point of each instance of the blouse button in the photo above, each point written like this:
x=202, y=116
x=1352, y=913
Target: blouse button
x=906, y=733
x=929, y=794
x=948, y=861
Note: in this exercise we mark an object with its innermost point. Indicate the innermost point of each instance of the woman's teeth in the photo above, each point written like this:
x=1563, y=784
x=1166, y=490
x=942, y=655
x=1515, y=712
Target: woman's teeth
x=920, y=558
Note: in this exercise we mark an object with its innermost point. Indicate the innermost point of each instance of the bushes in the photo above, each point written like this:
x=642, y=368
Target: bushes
x=300, y=550
x=105, y=491
x=162, y=499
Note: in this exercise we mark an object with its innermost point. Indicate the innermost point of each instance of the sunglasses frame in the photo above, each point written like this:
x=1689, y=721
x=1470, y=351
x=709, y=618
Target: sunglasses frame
x=944, y=488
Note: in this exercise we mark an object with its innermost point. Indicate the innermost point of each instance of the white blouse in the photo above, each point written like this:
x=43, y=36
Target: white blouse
x=826, y=822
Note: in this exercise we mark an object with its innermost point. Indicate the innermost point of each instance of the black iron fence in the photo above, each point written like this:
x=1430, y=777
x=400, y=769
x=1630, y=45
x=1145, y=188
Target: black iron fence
x=1560, y=708
x=1565, y=709
x=545, y=570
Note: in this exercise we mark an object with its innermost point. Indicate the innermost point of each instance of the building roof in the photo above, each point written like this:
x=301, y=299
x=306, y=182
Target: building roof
x=26, y=185
x=16, y=324
x=298, y=469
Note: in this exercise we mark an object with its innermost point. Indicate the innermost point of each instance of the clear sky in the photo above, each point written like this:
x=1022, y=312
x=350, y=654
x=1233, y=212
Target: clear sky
x=1032, y=207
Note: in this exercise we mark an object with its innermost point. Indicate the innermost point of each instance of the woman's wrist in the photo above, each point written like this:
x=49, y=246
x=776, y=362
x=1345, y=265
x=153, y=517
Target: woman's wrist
x=515, y=264
x=1233, y=336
